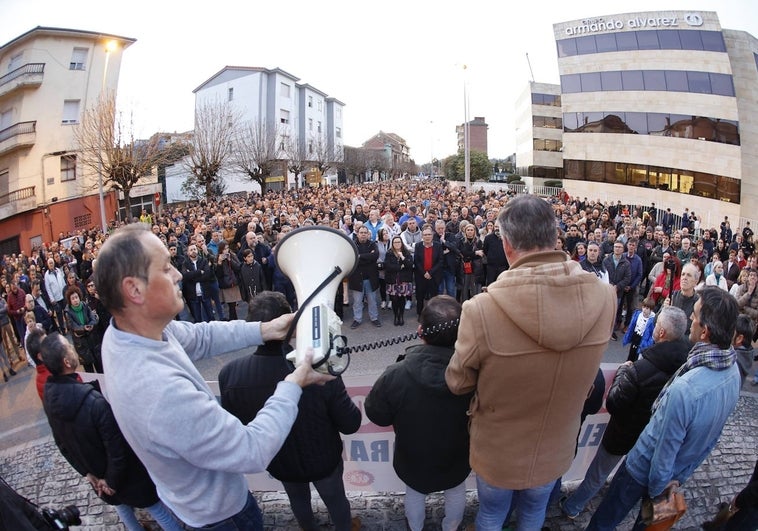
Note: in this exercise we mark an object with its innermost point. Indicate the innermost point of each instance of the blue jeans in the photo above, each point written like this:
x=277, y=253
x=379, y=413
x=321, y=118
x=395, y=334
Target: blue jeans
x=332, y=492
x=447, y=286
x=159, y=512
x=622, y=496
x=495, y=502
x=248, y=519
x=373, y=309
x=200, y=309
x=602, y=465
x=214, y=293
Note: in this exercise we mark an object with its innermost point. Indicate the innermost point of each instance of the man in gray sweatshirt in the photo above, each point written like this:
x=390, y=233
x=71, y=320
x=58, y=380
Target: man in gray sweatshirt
x=195, y=451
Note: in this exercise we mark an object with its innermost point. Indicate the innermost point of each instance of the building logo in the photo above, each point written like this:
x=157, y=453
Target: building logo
x=693, y=19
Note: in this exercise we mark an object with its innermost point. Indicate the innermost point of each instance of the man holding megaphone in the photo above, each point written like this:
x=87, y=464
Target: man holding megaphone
x=196, y=452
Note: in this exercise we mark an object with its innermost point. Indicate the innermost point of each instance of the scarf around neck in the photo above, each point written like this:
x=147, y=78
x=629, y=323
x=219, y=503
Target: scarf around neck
x=702, y=355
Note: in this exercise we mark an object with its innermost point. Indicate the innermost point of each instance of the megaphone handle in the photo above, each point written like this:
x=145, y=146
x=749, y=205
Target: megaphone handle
x=301, y=309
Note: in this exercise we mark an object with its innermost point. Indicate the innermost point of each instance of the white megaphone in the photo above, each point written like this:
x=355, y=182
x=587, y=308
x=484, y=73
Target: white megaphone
x=316, y=259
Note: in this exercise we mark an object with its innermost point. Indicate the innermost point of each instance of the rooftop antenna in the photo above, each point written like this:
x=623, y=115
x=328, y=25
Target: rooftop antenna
x=530, y=66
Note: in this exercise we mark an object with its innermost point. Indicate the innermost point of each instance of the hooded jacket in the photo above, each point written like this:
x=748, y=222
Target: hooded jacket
x=531, y=364
x=634, y=390
x=430, y=423
x=87, y=435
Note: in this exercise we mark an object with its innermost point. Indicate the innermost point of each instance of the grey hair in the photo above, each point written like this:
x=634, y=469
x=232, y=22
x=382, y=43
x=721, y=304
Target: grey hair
x=673, y=320
x=527, y=222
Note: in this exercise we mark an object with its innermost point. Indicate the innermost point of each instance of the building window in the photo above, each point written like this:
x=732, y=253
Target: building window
x=310, y=101
x=671, y=39
x=70, y=111
x=78, y=59
x=284, y=90
x=657, y=124
x=230, y=94
x=320, y=106
x=668, y=179
x=338, y=132
x=310, y=124
x=284, y=116
x=318, y=127
x=16, y=61
x=68, y=168
x=310, y=147
x=649, y=80
x=553, y=100
x=4, y=177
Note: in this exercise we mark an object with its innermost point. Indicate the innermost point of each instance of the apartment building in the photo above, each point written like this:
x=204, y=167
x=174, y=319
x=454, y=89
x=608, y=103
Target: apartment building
x=49, y=77
x=298, y=113
x=477, y=130
x=660, y=107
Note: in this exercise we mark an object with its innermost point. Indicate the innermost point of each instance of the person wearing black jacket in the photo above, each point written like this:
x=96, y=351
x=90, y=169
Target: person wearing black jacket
x=634, y=389
x=431, y=425
x=197, y=273
x=312, y=453
x=398, y=275
x=364, y=281
x=620, y=276
x=86, y=432
x=450, y=256
x=495, y=255
x=252, y=277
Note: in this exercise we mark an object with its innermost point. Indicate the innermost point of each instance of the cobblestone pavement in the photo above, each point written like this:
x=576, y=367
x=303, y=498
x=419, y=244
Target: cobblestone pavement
x=38, y=471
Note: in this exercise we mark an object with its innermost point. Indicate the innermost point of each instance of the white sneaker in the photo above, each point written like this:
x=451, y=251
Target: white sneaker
x=407, y=304
x=384, y=304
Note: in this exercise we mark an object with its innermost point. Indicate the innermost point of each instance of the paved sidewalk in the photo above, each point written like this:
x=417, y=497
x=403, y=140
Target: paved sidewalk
x=39, y=472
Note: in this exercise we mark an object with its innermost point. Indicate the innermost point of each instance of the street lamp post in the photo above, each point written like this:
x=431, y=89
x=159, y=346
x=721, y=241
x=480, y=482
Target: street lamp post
x=431, y=150
x=466, y=145
x=109, y=47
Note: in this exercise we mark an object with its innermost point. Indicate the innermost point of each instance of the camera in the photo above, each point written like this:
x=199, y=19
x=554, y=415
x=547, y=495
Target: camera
x=670, y=264
x=62, y=518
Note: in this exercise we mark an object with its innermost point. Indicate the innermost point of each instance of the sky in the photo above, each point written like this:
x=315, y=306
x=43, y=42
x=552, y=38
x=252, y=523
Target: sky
x=396, y=64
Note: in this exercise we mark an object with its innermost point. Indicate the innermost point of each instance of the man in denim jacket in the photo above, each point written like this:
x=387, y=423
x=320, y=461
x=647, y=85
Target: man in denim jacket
x=688, y=415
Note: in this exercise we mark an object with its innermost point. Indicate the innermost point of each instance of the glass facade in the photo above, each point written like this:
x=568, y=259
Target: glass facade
x=547, y=121
x=658, y=80
x=669, y=179
x=545, y=144
x=669, y=39
x=554, y=100
x=657, y=124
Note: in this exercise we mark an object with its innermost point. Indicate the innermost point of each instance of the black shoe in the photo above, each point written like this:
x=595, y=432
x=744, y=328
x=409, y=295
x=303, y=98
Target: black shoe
x=614, y=337
x=397, y=321
x=355, y=325
x=401, y=321
x=13, y=373
x=376, y=323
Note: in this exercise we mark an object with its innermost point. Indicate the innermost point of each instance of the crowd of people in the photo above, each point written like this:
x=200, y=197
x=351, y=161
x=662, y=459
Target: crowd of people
x=497, y=266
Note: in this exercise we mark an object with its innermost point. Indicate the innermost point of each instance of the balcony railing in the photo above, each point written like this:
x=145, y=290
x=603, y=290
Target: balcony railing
x=29, y=74
x=20, y=128
x=18, y=136
x=17, y=195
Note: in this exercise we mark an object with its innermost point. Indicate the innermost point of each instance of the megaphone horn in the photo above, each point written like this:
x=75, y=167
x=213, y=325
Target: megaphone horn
x=309, y=256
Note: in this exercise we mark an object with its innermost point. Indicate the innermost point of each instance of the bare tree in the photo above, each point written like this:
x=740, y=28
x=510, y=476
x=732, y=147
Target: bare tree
x=297, y=157
x=107, y=144
x=257, y=152
x=212, y=146
x=323, y=153
x=355, y=163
